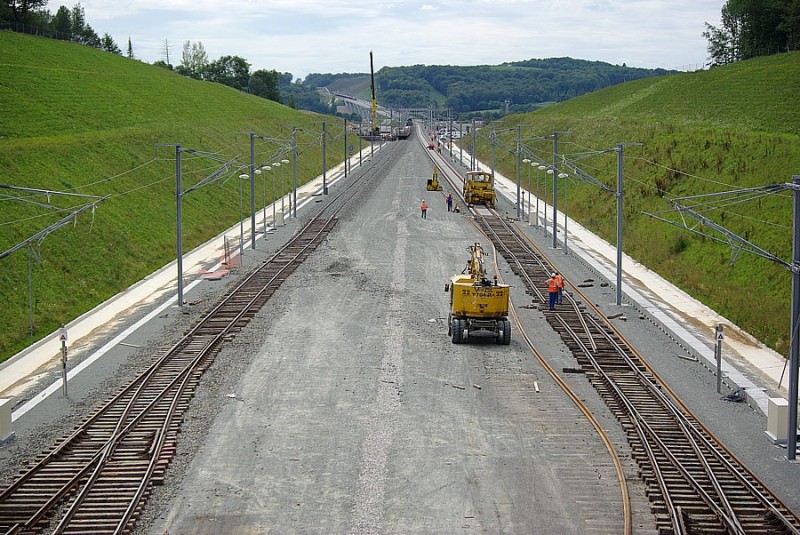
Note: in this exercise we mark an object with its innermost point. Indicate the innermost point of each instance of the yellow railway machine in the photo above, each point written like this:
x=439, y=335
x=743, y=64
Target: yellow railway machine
x=479, y=188
x=478, y=306
x=433, y=183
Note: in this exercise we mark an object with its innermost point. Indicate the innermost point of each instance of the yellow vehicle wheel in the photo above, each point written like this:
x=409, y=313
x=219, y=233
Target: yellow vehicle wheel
x=504, y=337
x=458, y=331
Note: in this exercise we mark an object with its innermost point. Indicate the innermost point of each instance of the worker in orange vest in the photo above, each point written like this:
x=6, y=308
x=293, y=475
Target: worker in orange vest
x=424, y=207
x=552, y=290
x=560, y=284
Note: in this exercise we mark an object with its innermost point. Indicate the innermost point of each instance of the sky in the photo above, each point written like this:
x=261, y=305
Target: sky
x=336, y=36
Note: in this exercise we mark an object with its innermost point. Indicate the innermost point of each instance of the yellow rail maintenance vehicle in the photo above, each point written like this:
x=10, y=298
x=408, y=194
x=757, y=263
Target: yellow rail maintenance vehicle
x=478, y=306
x=479, y=188
x=433, y=183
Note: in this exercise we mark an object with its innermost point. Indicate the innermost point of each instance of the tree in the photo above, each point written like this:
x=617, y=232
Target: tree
x=232, y=71
x=753, y=28
x=264, y=83
x=107, y=43
x=78, y=18
x=719, y=47
x=62, y=23
x=81, y=31
x=130, y=48
x=23, y=10
x=165, y=54
x=194, y=60
x=89, y=37
x=790, y=24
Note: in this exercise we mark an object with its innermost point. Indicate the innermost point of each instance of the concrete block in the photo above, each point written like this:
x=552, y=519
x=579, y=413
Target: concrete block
x=6, y=433
x=279, y=218
x=778, y=420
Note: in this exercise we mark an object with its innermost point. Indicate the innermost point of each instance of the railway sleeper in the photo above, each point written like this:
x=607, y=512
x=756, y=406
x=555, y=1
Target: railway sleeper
x=15, y=513
x=109, y=506
x=91, y=526
x=117, y=486
x=98, y=512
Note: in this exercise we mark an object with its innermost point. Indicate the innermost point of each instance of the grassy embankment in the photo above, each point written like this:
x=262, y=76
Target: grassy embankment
x=79, y=120
x=720, y=130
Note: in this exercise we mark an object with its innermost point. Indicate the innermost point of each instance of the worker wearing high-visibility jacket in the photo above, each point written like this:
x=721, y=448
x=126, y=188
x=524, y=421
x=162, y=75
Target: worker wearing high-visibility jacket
x=552, y=290
x=560, y=284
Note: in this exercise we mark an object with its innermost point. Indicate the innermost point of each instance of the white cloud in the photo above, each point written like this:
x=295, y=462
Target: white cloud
x=304, y=36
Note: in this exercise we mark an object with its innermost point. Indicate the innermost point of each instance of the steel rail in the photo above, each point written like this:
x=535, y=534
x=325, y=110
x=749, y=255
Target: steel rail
x=546, y=266
x=627, y=514
x=645, y=431
x=688, y=424
x=106, y=450
x=722, y=508
x=136, y=389
x=176, y=390
x=533, y=288
x=649, y=438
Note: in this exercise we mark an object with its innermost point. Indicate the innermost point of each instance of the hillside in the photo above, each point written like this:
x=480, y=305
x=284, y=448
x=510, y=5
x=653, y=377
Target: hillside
x=525, y=85
x=86, y=122
x=725, y=129
x=469, y=90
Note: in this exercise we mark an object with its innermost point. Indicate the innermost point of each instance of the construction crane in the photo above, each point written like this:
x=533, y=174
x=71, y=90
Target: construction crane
x=375, y=129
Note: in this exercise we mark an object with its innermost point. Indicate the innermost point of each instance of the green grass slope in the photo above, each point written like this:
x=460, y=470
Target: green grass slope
x=707, y=132
x=90, y=123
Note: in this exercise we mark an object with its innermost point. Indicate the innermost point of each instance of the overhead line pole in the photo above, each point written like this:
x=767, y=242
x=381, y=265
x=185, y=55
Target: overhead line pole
x=294, y=172
x=252, y=190
x=40, y=236
x=179, y=150
x=324, y=160
x=178, y=211
x=346, y=156
x=493, y=140
x=794, y=348
x=620, y=150
x=463, y=132
x=555, y=190
x=519, y=155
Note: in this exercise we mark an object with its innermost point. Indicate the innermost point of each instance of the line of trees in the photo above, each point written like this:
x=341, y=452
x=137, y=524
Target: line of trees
x=753, y=28
x=66, y=24
x=234, y=71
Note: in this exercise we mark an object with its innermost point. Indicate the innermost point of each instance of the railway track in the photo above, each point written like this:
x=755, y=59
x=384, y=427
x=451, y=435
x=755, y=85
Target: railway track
x=695, y=485
x=97, y=479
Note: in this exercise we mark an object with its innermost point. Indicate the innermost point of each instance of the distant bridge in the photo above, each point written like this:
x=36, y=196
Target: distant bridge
x=363, y=108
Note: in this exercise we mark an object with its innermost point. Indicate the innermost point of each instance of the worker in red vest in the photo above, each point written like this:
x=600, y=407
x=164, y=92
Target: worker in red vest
x=552, y=290
x=560, y=284
x=424, y=208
